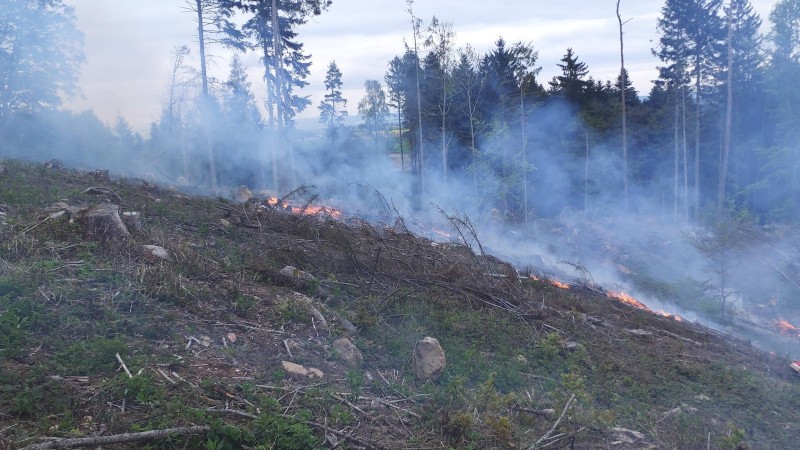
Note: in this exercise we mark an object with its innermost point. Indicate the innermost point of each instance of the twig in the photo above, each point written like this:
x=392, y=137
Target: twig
x=347, y=402
x=166, y=377
x=119, y=358
x=96, y=441
x=555, y=425
x=286, y=346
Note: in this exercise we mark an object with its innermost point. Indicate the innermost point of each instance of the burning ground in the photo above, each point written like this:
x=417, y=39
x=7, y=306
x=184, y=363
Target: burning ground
x=205, y=334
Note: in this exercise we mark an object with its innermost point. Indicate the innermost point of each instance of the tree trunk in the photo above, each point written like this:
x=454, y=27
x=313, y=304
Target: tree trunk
x=726, y=139
x=685, y=156
x=524, y=157
x=400, y=131
x=698, y=98
x=624, y=82
x=675, y=184
x=205, y=102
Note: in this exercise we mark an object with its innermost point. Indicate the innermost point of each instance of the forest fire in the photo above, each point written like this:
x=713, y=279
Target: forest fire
x=625, y=298
x=787, y=328
x=306, y=210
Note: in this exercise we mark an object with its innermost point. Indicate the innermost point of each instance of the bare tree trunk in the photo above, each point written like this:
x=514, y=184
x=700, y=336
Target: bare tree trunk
x=206, y=100
x=524, y=157
x=698, y=95
x=278, y=69
x=421, y=157
x=586, y=178
x=624, y=82
x=675, y=184
x=400, y=130
x=685, y=156
x=273, y=146
x=726, y=139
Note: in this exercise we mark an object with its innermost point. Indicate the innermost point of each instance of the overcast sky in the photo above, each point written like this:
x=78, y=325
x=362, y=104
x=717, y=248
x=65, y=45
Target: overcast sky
x=128, y=44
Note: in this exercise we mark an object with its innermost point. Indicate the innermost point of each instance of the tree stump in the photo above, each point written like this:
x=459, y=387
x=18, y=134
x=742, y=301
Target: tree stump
x=103, y=223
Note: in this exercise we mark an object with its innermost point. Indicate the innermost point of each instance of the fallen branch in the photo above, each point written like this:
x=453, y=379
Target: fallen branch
x=119, y=358
x=95, y=441
x=547, y=436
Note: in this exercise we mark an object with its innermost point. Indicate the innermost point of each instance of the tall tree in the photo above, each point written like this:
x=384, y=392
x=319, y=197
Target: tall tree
x=743, y=81
x=691, y=33
x=468, y=89
x=420, y=151
x=332, y=112
x=396, y=82
x=41, y=51
x=623, y=75
x=440, y=40
x=373, y=109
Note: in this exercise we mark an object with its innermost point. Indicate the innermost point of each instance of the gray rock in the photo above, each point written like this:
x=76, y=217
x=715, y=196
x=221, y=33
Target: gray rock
x=348, y=351
x=429, y=359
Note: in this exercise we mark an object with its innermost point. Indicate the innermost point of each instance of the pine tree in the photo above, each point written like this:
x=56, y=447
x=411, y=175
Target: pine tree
x=331, y=109
x=571, y=83
x=691, y=36
x=41, y=51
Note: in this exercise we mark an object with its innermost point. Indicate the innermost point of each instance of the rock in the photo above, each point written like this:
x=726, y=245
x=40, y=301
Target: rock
x=623, y=435
x=104, y=223
x=429, y=359
x=242, y=194
x=702, y=397
x=224, y=223
x=571, y=346
x=155, y=253
x=54, y=164
x=294, y=272
x=348, y=351
x=640, y=332
x=299, y=371
x=672, y=412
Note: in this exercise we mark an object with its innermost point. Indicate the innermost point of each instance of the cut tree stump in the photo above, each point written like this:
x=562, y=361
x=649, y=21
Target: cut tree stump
x=104, y=223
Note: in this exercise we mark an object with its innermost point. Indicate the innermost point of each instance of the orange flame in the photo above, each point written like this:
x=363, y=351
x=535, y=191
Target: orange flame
x=786, y=328
x=559, y=284
x=308, y=210
x=625, y=298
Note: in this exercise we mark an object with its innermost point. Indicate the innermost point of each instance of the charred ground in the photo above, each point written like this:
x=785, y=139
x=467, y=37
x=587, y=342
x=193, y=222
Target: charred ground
x=530, y=365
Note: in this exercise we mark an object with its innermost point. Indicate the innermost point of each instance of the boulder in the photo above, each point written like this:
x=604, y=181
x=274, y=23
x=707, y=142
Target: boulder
x=625, y=436
x=294, y=272
x=348, y=351
x=298, y=371
x=242, y=194
x=153, y=253
x=429, y=359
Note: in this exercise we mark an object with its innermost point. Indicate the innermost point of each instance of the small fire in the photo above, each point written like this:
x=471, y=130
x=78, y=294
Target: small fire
x=625, y=298
x=307, y=210
x=786, y=327
x=554, y=282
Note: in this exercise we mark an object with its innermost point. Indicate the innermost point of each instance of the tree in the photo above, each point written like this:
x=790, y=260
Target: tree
x=691, y=33
x=332, y=112
x=571, y=83
x=418, y=162
x=373, y=108
x=41, y=51
x=468, y=89
x=396, y=82
x=271, y=27
x=623, y=82
x=440, y=40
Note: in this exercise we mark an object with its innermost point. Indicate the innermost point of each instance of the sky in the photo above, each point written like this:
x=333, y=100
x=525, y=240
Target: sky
x=128, y=45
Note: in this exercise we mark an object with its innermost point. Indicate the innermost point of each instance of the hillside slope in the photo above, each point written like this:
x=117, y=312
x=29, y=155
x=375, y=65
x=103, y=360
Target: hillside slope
x=206, y=333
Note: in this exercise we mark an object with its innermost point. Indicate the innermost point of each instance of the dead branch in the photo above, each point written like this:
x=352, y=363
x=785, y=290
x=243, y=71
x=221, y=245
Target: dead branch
x=96, y=441
x=549, y=435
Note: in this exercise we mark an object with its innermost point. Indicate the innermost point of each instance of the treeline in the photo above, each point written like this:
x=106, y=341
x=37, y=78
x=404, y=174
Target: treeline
x=718, y=128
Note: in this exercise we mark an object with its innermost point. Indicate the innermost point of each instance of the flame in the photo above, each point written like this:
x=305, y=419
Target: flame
x=307, y=210
x=625, y=298
x=786, y=328
x=554, y=282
